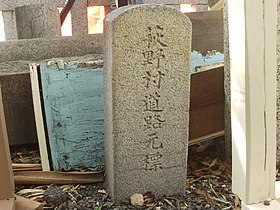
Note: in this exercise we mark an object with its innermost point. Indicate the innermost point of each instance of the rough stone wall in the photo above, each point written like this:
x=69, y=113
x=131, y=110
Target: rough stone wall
x=278, y=88
x=79, y=13
x=227, y=85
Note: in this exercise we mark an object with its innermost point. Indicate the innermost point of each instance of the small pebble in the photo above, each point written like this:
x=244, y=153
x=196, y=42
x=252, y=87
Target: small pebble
x=266, y=203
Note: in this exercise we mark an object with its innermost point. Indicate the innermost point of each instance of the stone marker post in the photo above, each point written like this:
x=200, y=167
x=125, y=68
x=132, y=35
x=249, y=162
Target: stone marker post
x=147, y=79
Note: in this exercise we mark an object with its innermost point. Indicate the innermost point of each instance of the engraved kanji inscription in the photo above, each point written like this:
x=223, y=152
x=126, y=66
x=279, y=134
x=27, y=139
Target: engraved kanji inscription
x=153, y=79
x=153, y=162
x=151, y=103
x=153, y=122
x=154, y=51
x=154, y=141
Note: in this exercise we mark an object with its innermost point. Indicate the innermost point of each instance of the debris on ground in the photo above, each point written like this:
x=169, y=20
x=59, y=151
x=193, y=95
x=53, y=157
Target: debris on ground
x=208, y=186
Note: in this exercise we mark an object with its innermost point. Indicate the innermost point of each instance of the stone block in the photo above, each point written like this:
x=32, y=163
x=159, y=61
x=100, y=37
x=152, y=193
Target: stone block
x=9, y=25
x=157, y=1
x=40, y=49
x=194, y=2
x=17, y=101
x=227, y=84
x=37, y=21
x=147, y=80
x=79, y=18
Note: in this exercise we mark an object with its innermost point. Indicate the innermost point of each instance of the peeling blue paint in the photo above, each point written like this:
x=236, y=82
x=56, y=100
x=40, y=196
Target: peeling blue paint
x=73, y=102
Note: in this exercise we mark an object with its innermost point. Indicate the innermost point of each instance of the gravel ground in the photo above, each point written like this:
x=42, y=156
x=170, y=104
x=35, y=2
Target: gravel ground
x=208, y=186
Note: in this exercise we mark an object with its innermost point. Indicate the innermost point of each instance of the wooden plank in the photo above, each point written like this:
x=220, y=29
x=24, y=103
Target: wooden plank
x=39, y=117
x=26, y=204
x=51, y=177
x=206, y=137
x=207, y=88
x=206, y=103
x=218, y=6
x=6, y=174
x=8, y=204
x=253, y=93
x=73, y=104
x=206, y=120
x=207, y=31
x=26, y=167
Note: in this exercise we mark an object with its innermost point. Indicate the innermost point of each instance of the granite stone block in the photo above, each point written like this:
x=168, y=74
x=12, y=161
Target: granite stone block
x=147, y=80
x=37, y=21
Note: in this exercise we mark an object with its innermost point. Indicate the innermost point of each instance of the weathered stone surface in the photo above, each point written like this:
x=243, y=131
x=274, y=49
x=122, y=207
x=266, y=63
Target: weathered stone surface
x=172, y=3
x=79, y=13
x=157, y=1
x=278, y=88
x=40, y=49
x=17, y=101
x=147, y=78
x=37, y=21
x=9, y=25
x=194, y=2
x=227, y=112
x=207, y=31
x=80, y=22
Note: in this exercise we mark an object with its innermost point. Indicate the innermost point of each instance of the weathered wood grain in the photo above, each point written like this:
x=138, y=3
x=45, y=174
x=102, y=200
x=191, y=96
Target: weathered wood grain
x=73, y=103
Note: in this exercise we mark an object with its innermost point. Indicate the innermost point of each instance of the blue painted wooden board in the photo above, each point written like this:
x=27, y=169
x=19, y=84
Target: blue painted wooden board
x=73, y=102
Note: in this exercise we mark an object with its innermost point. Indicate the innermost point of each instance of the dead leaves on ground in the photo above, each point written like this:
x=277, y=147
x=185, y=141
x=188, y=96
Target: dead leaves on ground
x=209, y=178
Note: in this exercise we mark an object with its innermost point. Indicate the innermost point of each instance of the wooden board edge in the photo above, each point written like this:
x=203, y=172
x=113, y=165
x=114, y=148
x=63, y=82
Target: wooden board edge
x=206, y=137
x=39, y=118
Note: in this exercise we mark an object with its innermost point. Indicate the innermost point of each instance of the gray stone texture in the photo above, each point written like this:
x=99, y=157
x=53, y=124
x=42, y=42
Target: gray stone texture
x=9, y=25
x=171, y=3
x=12, y=4
x=79, y=13
x=278, y=88
x=194, y=2
x=201, y=5
x=147, y=79
x=79, y=20
x=207, y=31
x=228, y=140
x=17, y=101
x=166, y=2
x=201, y=8
x=37, y=21
x=39, y=49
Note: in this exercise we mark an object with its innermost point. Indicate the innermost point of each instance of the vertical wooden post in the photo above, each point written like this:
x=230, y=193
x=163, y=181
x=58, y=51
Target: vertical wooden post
x=252, y=46
x=6, y=174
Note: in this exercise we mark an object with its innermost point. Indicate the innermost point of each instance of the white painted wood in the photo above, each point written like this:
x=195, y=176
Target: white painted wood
x=252, y=40
x=274, y=204
x=39, y=118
